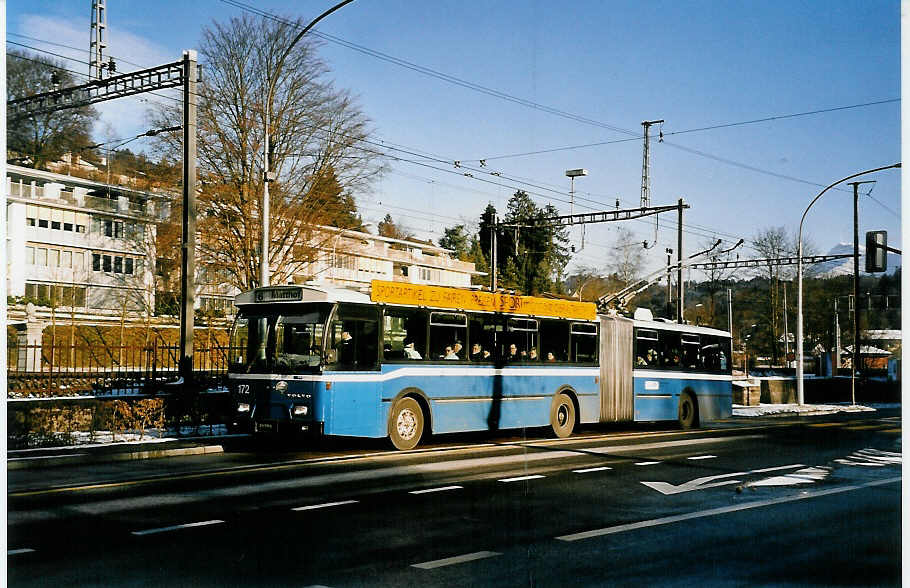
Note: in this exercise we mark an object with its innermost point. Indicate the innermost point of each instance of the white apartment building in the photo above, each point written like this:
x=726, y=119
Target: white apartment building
x=354, y=259
x=79, y=243
x=91, y=246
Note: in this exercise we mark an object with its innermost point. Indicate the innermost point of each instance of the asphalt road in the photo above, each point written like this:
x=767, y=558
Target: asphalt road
x=799, y=502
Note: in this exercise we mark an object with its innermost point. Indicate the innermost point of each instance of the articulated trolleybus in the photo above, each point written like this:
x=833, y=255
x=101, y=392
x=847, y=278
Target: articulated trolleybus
x=407, y=360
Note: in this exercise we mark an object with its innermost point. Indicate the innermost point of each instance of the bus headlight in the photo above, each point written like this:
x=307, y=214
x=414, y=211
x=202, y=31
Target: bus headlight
x=281, y=386
x=243, y=407
x=301, y=410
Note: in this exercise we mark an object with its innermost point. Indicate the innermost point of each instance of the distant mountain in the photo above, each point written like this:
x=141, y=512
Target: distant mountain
x=844, y=267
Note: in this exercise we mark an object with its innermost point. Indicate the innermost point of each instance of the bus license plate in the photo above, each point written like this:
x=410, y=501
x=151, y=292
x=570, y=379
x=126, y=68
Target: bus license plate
x=263, y=427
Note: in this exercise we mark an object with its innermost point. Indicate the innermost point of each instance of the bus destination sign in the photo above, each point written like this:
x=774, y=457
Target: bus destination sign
x=442, y=297
x=279, y=294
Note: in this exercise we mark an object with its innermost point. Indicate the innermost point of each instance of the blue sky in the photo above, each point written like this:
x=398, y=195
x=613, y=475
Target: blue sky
x=694, y=64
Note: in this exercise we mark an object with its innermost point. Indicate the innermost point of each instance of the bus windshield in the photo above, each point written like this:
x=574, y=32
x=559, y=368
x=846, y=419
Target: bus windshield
x=282, y=343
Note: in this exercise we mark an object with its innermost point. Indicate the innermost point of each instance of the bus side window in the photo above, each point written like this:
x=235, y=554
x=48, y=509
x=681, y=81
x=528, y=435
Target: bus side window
x=669, y=349
x=554, y=340
x=646, y=354
x=691, y=356
x=404, y=335
x=448, y=335
x=584, y=348
x=482, y=337
x=354, y=339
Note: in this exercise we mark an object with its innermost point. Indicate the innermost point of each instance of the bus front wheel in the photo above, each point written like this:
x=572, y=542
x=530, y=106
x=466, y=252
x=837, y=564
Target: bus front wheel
x=562, y=415
x=688, y=412
x=406, y=424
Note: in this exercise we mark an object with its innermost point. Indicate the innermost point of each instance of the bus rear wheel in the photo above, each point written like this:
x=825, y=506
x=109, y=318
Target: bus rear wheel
x=688, y=412
x=406, y=424
x=562, y=415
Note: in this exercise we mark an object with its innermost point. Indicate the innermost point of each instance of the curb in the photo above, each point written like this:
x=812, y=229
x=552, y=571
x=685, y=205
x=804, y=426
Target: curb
x=24, y=463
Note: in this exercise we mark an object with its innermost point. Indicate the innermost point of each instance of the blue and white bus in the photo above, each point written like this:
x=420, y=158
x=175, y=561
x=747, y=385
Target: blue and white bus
x=408, y=360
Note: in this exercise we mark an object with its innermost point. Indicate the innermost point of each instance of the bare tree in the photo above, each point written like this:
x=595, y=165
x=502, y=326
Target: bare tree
x=316, y=149
x=628, y=256
x=43, y=138
x=716, y=278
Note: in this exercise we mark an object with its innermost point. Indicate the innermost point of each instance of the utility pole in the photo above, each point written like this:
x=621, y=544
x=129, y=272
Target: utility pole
x=646, y=164
x=188, y=236
x=836, y=339
x=856, y=350
x=97, y=42
x=786, y=331
x=730, y=313
x=680, y=294
x=669, y=281
x=646, y=172
x=493, y=231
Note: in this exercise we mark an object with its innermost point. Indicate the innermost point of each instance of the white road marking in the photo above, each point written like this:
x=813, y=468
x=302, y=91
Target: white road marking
x=177, y=527
x=647, y=463
x=708, y=481
x=718, y=511
x=324, y=505
x=429, y=565
x=521, y=479
x=19, y=551
x=697, y=457
x=589, y=470
x=428, y=490
x=803, y=476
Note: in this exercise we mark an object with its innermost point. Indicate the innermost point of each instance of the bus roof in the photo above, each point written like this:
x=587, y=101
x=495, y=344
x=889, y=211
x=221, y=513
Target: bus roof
x=294, y=293
x=672, y=326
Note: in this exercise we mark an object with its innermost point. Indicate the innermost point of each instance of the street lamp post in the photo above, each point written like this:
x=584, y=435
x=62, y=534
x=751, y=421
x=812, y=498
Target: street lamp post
x=267, y=175
x=799, y=276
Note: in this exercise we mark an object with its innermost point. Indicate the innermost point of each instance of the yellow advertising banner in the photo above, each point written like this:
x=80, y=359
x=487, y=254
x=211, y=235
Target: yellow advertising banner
x=456, y=298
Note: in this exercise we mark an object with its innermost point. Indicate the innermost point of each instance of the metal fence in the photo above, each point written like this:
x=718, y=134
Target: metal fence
x=72, y=370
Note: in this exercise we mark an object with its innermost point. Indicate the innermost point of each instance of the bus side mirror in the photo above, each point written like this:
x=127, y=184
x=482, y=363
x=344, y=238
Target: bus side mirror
x=876, y=251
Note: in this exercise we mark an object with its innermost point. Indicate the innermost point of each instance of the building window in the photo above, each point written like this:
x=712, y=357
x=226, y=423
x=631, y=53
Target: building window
x=66, y=259
x=118, y=265
x=68, y=227
x=128, y=266
x=96, y=262
x=42, y=223
x=30, y=255
x=113, y=229
x=55, y=225
x=80, y=228
x=78, y=259
x=31, y=222
x=41, y=258
x=53, y=258
x=106, y=263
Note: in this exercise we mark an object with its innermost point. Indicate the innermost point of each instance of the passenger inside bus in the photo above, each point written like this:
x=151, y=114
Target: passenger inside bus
x=532, y=355
x=477, y=352
x=513, y=353
x=410, y=352
x=450, y=353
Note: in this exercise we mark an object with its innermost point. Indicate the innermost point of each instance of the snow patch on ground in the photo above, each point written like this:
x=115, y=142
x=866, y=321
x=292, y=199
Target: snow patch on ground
x=796, y=409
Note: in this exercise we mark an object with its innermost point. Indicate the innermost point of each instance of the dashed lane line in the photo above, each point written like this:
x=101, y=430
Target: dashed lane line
x=177, y=527
x=10, y=552
x=449, y=561
x=324, y=505
x=589, y=470
x=719, y=511
x=442, y=489
x=647, y=463
x=521, y=478
x=697, y=457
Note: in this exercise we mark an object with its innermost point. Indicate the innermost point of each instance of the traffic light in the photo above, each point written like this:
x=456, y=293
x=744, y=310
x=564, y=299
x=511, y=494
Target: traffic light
x=876, y=251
